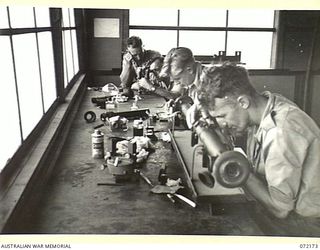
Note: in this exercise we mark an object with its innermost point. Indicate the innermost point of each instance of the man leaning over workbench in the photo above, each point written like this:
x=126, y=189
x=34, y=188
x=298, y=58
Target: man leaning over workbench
x=182, y=70
x=138, y=63
x=283, y=147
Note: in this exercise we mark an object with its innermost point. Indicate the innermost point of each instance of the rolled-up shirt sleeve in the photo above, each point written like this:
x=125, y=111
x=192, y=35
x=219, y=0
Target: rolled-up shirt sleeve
x=166, y=94
x=284, y=153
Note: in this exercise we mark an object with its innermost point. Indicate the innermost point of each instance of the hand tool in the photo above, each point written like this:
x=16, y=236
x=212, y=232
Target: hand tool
x=144, y=177
x=98, y=126
x=170, y=197
x=109, y=184
x=186, y=200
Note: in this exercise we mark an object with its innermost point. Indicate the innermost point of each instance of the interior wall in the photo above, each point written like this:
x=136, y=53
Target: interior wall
x=297, y=29
x=299, y=50
x=289, y=85
x=282, y=84
x=105, y=53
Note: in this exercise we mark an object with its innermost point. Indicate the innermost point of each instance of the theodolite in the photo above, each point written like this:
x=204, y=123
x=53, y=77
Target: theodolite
x=221, y=163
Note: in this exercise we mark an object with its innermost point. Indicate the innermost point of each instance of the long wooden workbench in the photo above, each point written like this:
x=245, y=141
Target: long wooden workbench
x=74, y=202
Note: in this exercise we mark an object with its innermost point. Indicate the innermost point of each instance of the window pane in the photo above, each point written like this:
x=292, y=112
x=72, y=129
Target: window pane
x=256, y=53
x=72, y=20
x=159, y=17
x=28, y=78
x=203, y=42
x=9, y=128
x=159, y=40
x=4, y=18
x=65, y=17
x=68, y=54
x=251, y=18
x=75, y=51
x=65, y=72
x=42, y=17
x=47, y=68
x=66, y=77
x=203, y=17
x=21, y=17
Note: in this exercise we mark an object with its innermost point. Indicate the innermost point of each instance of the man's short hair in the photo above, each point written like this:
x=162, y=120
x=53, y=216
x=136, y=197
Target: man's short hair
x=134, y=42
x=225, y=80
x=177, y=58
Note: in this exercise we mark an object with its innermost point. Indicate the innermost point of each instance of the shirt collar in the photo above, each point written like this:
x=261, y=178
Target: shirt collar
x=267, y=121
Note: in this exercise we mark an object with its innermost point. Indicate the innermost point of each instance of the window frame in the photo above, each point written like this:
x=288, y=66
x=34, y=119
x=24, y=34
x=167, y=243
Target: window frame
x=56, y=29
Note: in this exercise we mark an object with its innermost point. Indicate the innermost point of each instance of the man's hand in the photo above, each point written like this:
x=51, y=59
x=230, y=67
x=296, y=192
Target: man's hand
x=168, y=104
x=127, y=56
x=135, y=86
x=145, y=84
x=156, y=65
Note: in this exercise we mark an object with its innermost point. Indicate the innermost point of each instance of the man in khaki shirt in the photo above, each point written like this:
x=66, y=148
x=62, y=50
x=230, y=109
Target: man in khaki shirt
x=136, y=64
x=181, y=68
x=283, y=148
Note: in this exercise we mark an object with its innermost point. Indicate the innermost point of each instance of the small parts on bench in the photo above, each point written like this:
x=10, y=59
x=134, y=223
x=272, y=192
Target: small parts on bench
x=118, y=123
x=135, y=103
x=122, y=156
x=108, y=102
x=120, y=167
x=97, y=144
x=130, y=115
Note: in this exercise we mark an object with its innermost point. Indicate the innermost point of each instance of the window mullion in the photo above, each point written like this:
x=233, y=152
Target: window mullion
x=72, y=55
x=178, y=24
x=39, y=64
x=15, y=80
x=226, y=34
x=55, y=19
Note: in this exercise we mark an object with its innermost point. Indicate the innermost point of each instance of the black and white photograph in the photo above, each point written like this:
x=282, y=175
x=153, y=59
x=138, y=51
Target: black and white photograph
x=159, y=121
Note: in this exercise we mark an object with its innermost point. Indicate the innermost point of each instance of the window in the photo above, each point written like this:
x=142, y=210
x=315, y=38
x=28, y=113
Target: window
x=3, y=18
x=21, y=17
x=207, y=39
x=251, y=18
x=154, y=17
x=207, y=31
x=203, y=18
x=160, y=40
x=47, y=64
x=255, y=47
x=10, y=131
x=28, y=70
x=42, y=17
x=28, y=81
